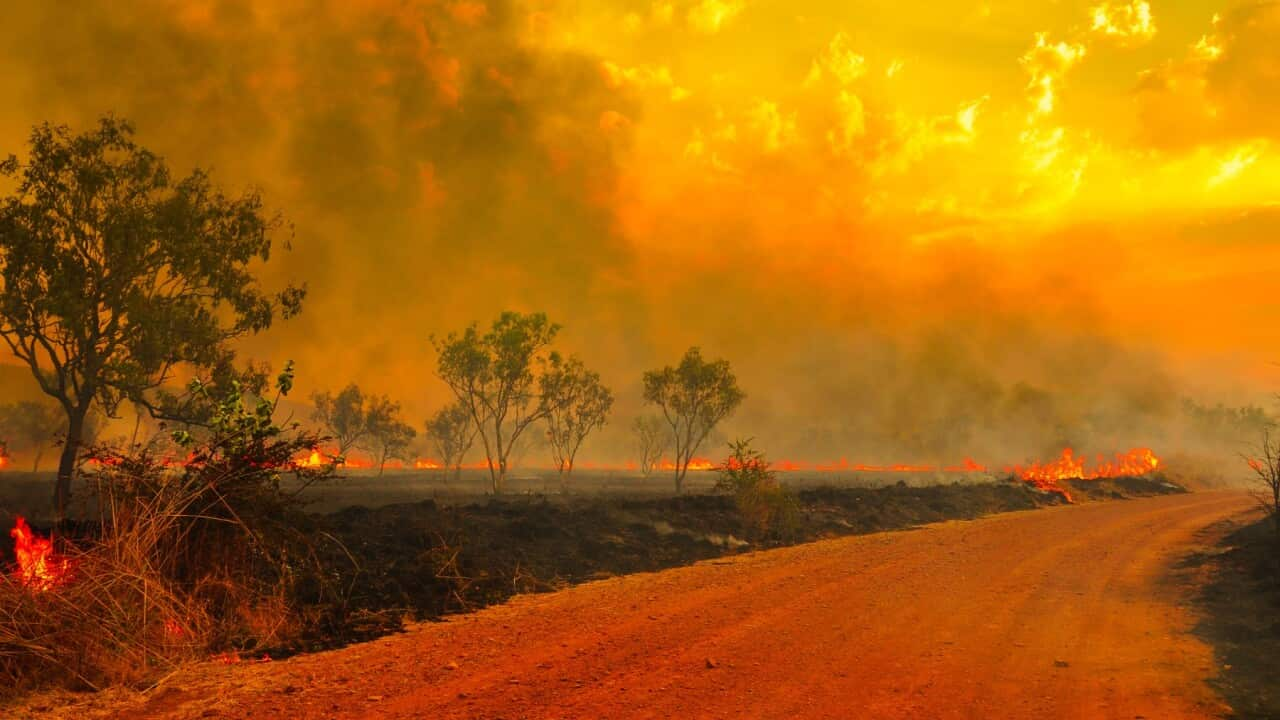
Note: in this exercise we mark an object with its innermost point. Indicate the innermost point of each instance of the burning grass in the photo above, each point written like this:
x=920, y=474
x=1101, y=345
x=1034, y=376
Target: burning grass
x=115, y=619
x=183, y=561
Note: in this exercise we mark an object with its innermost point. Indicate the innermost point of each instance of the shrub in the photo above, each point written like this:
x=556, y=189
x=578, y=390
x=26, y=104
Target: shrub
x=202, y=556
x=768, y=507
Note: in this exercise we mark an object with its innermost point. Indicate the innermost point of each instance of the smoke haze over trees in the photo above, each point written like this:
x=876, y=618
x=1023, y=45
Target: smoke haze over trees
x=443, y=162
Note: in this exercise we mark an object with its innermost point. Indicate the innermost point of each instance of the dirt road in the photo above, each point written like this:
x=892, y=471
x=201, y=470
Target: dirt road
x=1061, y=613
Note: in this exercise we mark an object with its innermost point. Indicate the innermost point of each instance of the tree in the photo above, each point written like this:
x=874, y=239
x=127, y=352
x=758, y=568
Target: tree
x=492, y=375
x=30, y=427
x=343, y=416
x=115, y=274
x=652, y=440
x=694, y=397
x=577, y=403
x=1267, y=467
x=387, y=436
x=452, y=432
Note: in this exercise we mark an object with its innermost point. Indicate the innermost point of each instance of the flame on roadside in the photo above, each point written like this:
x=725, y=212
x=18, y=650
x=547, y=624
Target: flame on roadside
x=1070, y=466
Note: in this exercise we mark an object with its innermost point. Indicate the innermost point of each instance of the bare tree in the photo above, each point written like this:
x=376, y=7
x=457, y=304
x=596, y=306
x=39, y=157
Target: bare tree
x=652, y=440
x=577, y=403
x=1267, y=467
x=387, y=436
x=344, y=416
x=694, y=396
x=30, y=427
x=452, y=432
x=492, y=375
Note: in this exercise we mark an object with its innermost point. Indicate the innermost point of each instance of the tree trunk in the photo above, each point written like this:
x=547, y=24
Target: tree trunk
x=35, y=466
x=67, y=462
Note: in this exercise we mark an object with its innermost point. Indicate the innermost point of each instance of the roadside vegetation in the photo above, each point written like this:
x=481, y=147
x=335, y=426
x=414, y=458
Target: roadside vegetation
x=178, y=563
x=768, y=507
x=1240, y=600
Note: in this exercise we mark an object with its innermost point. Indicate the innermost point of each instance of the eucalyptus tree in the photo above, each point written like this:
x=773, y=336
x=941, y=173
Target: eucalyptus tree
x=694, y=397
x=388, y=435
x=577, y=403
x=115, y=273
x=452, y=432
x=495, y=376
x=344, y=416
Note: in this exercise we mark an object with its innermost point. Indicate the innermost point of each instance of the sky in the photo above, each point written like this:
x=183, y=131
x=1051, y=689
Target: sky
x=918, y=230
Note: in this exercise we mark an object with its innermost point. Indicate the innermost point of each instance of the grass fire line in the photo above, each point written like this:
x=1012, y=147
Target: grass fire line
x=40, y=568
x=1044, y=475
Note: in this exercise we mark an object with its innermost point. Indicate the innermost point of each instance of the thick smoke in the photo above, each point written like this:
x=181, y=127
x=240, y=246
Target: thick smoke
x=440, y=164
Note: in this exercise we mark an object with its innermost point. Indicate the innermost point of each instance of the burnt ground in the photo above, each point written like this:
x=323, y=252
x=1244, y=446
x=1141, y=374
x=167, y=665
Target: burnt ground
x=423, y=560
x=381, y=566
x=1240, y=610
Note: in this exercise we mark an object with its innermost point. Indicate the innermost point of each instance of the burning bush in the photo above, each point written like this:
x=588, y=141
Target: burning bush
x=200, y=557
x=767, y=506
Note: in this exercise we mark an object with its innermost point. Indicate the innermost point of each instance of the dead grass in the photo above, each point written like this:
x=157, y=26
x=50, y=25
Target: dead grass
x=146, y=593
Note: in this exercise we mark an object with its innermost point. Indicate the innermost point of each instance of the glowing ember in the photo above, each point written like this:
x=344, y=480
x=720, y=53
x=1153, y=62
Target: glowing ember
x=173, y=628
x=39, y=566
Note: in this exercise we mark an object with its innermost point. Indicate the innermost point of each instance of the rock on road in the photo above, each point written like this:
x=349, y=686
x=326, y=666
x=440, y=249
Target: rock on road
x=1069, y=612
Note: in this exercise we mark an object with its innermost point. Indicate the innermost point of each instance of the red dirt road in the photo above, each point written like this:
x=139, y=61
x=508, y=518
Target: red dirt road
x=1061, y=613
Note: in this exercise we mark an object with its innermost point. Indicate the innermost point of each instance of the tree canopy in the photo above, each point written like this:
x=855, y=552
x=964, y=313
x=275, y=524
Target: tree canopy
x=694, y=397
x=344, y=416
x=577, y=404
x=387, y=435
x=492, y=374
x=114, y=273
x=452, y=432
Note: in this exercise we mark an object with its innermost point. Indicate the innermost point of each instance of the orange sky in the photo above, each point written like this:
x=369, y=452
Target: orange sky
x=1125, y=145
x=813, y=190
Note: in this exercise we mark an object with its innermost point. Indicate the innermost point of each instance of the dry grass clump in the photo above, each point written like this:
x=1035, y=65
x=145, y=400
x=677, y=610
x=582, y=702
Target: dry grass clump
x=184, y=560
x=768, y=507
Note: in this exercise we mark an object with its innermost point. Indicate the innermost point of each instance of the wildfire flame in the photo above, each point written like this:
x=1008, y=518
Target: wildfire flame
x=1069, y=466
x=39, y=566
x=320, y=457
